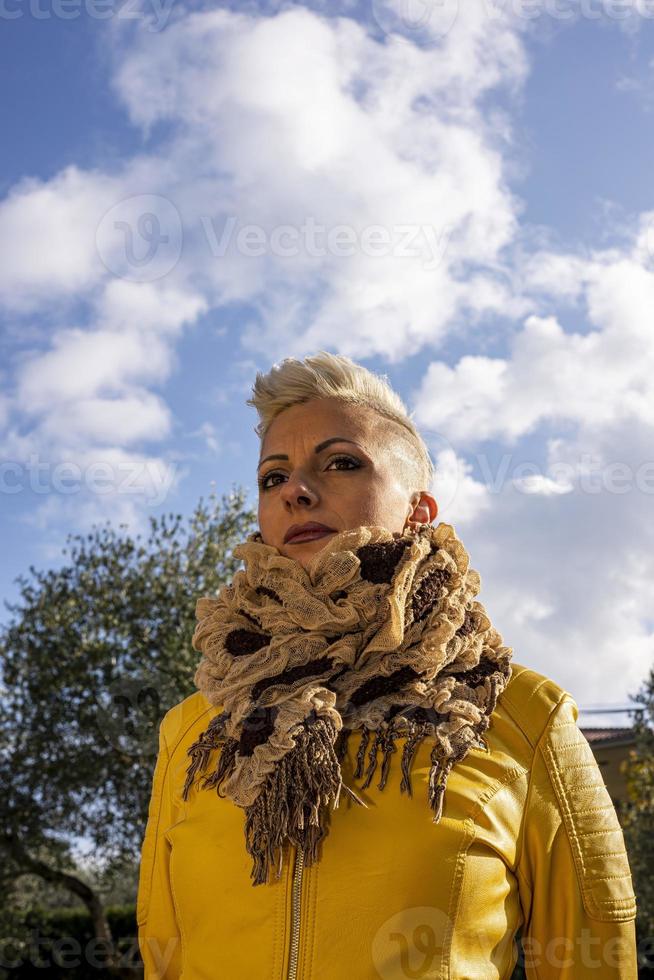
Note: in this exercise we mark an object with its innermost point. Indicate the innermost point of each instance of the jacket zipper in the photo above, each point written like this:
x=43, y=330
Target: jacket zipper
x=295, y=914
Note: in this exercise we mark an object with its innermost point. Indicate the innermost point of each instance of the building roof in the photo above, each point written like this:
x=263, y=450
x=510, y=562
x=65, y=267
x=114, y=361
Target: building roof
x=596, y=735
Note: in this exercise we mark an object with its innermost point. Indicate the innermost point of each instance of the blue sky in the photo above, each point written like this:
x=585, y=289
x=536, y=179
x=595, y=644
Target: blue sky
x=519, y=334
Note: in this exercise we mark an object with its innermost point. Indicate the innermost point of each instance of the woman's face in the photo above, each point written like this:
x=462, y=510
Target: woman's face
x=360, y=478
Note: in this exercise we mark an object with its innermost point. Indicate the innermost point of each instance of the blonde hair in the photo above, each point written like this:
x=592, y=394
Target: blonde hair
x=325, y=375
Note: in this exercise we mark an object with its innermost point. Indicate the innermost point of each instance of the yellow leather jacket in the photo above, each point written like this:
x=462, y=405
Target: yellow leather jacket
x=528, y=840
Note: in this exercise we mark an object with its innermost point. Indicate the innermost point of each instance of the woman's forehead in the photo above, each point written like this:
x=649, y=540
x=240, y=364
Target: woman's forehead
x=319, y=420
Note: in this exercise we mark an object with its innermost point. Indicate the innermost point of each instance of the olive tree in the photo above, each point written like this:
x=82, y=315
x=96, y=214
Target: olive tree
x=94, y=653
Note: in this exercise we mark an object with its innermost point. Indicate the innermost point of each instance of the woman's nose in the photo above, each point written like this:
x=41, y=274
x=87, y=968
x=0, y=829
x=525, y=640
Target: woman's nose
x=297, y=489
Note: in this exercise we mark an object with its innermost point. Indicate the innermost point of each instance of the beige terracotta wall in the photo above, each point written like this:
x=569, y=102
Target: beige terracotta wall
x=609, y=757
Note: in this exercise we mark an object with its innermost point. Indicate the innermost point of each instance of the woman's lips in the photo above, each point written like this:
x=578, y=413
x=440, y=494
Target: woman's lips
x=308, y=536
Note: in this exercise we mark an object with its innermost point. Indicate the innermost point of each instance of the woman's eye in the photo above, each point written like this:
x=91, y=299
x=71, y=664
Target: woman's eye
x=263, y=481
x=263, y=484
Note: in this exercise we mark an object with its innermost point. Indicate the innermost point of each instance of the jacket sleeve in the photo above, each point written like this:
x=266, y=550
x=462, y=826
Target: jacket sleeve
x=158, y=933
x=573, y=872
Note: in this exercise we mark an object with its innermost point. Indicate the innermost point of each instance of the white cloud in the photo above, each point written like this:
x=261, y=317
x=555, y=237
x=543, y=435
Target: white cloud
x=130, y=418
x=554, y=274
x=85, y=403
x=208, y=432
x=82, y=363
x=358, y=133
x=47, y=236
x=591, y=379
x=459, y=496
x=568, y=582
x=141, y=306
x=537, y=483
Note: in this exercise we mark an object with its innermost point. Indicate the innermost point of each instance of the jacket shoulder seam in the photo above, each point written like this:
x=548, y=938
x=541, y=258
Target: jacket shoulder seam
x=522, y=714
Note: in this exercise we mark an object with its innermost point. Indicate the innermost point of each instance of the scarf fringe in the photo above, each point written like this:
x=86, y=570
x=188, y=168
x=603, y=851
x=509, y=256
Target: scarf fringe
x=385, y=738
x=290, y=805
x=201, y=750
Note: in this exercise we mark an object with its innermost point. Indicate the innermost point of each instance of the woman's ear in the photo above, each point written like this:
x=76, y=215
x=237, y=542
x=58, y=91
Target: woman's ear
x=425, y=509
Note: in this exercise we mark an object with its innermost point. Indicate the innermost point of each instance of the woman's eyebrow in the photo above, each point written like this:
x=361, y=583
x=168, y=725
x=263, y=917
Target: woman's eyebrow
x=319, y=448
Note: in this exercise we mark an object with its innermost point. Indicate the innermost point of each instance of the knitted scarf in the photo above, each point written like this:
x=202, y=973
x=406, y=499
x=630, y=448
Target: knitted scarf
x=381, y=632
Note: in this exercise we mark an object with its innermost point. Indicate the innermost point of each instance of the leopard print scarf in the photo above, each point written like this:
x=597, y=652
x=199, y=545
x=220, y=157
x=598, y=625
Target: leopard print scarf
x=381, y=632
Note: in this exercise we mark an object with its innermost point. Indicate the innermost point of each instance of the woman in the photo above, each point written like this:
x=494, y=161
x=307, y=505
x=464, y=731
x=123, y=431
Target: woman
x=269, y=851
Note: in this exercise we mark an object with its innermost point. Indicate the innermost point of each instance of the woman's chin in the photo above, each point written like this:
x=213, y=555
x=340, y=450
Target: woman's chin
x=303, y=551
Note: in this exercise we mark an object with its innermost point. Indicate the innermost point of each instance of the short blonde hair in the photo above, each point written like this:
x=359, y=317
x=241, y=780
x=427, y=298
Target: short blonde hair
x=325, y=375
